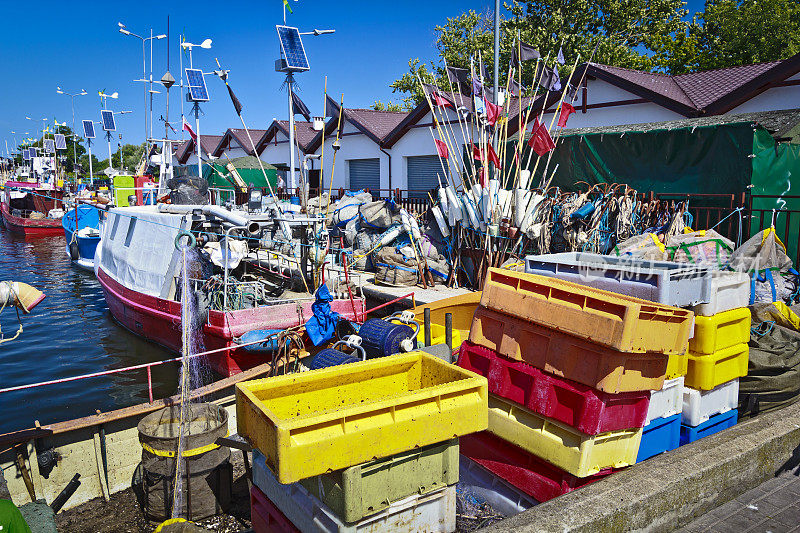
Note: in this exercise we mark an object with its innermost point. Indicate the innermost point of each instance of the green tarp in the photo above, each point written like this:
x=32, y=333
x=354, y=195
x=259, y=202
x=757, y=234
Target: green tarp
x=247, y=167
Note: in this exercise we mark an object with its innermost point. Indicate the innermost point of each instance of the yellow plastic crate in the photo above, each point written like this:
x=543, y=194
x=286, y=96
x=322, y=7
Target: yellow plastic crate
x=723, y=330
x=316, y=422
x=707, y=371
x=621, y=322
x=565, y=447
x=677, y=365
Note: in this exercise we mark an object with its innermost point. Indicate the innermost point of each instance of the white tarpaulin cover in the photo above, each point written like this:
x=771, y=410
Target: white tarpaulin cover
x=137, y=245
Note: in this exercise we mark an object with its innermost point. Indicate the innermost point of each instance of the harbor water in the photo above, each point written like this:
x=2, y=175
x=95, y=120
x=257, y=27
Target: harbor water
x=71, y=332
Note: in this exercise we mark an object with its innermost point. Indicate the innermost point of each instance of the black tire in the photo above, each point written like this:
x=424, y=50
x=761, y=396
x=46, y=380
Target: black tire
x=74, y=254
x=330, y=357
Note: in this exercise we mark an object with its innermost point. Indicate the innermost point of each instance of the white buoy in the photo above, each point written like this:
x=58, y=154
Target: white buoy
x=390, y=235
x=472, y=215
x=437, y=214
x=454, y=206
x=443, y=199
x=520, y=203
x=524, y=179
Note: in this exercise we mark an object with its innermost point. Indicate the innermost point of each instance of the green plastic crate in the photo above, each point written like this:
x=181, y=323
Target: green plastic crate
x=369, y=488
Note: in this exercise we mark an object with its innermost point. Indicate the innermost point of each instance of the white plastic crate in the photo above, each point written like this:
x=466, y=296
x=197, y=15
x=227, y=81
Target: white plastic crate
x=729, y=290
x=475, y=481
x=434, y=512
x=699, y=406
x=665, y=282
x=666, y=402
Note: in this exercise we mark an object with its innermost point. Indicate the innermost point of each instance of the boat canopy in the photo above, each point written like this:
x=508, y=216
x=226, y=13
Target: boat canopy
x=137, y=246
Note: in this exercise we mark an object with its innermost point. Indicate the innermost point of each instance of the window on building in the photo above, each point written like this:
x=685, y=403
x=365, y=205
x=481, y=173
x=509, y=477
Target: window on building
x=424, y=174
x=364, y=174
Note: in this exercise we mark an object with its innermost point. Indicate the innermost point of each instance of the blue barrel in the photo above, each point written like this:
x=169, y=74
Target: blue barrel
x=330, y=357
x=380, y=338
x=294, y=200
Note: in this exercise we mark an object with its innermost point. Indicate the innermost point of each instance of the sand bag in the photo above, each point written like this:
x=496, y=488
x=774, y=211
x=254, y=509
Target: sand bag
x=394, y=269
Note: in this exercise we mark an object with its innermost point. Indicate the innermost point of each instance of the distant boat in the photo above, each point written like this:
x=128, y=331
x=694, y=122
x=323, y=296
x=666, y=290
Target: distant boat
x=82, y=238
x=32, y=210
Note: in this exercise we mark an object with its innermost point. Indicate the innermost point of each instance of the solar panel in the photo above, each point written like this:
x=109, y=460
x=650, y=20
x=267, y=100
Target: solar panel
x=108, y=121
x=49, y=146
x=88, y=129
x=292, y=48
x=61, y=141
x=197, y=85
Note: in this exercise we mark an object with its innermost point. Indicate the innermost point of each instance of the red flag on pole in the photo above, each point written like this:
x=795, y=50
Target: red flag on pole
x=566, y=110
x=441, y=101
x=476, y=153
x=492, y=112
x=541, y=142
x=493, y=156
x=188, y=128
x=441, y=148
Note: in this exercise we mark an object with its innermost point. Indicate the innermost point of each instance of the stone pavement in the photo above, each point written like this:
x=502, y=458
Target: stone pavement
x=773, y=506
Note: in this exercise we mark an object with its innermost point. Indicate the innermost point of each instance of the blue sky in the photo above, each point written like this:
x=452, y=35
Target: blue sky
x=76, y=45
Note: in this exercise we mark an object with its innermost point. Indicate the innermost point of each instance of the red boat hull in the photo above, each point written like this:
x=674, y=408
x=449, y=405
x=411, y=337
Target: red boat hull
x=159, y=320
x=31, y=227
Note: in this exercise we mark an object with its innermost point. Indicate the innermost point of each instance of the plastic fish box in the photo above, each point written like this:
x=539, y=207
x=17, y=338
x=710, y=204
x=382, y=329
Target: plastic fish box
x=580, y=406
x=666, y=402
x=720, y=331
x=677, y=365
x=366, y=489
x=659, y=436
x=707, y=371
x=566, y=356
x=478, y=483
x=265, y=517
x=715, y=424
x=579, y=454
x=699, y=406
x=729, y=290
x=525, y=471
x=666, y=282
x=316, y=422
x=615, y=320
x=432, y=512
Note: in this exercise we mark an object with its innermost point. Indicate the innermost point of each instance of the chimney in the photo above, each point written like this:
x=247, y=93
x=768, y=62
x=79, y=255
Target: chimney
x=319, y=123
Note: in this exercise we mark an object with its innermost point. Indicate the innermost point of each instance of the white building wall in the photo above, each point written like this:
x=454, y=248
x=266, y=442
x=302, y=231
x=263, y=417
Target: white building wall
x=354, y=145
x=773, y=99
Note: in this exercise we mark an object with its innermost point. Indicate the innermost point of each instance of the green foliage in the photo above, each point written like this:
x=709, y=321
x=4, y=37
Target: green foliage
x=651, y=35
x=389, y=106
x=730, y=32
x=131, y=156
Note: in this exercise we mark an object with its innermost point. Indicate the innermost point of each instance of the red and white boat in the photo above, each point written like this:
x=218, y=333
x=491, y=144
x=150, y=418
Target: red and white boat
x=139, y=270
x=21, y=200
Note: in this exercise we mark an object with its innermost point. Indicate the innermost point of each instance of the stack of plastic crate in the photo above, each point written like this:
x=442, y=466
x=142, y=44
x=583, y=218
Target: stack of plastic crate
x=570, y=369
x=718, y=356
x=369, y=446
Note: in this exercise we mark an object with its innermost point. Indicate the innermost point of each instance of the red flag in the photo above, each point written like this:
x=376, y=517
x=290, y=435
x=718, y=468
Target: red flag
x=484, y=178
x=476, y=153
x=493, y=156
x=441, y=101
x=541, y=142
x=441, y=148
x=566, y=111
x=188, y=128
x=492, y=112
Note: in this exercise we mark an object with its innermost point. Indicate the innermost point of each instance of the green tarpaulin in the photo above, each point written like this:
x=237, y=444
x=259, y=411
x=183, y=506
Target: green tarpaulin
x=248, y=168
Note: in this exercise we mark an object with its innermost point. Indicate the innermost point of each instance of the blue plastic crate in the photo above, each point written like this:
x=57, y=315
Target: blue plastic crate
x=713, y=425
x=659, y=436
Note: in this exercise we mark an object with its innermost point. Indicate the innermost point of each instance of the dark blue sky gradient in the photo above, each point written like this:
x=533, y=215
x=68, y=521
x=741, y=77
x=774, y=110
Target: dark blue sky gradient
x=77, y=45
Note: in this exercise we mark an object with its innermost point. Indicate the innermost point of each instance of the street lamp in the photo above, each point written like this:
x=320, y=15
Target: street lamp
x=74, y=136
x=125, y=31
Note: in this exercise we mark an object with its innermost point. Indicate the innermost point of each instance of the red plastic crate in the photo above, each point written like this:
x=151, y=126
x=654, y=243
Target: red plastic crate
x=265, y=517
x=530, y=474
x=586, y=409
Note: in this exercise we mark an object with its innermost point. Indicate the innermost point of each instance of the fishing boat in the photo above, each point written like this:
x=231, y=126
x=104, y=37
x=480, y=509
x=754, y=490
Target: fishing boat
x=31, y=209
x=82, y=232
x=140, y=270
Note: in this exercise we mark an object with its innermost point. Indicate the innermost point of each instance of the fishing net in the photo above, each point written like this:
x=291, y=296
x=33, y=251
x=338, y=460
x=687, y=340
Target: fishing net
x=764, y=257
x=376, y=214
x=645, y=246
x=706, y=247
x=346, y=209
x=395, y=269
x=188, y=190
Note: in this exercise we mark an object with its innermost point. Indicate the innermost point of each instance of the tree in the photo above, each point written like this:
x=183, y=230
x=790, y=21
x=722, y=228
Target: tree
x=627, y=33
x=131, y=157
x=731, y=32
x=68, y=153
x=390, y=106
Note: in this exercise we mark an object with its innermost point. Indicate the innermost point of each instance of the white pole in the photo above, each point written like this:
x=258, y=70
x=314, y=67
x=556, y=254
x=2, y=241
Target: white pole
x=197, y=132
x=91, y=175
x=110, y=161
x=144, y=77
x=151, y=83
x=292, y=184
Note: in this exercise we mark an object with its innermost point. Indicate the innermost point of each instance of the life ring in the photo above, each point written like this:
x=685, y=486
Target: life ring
x=190, y=244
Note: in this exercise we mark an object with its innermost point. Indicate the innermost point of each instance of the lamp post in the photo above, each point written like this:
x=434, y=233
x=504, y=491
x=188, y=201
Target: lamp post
x=206, y=44
x=74, y=151
x=125, y=31
x=104, y=107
